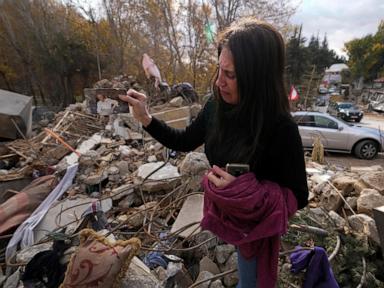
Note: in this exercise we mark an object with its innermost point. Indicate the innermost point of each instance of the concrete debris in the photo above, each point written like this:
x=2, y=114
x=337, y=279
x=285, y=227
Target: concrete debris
x=164, y=172
x=366, y=169
x=194, y=164
x=176, y=102
x=190, y=216
x=231, y=279
x=223, y=252
x=365, y=225
x=204, y=275
x=13, y=280
x=369, y=199
x=344, y=184
x=339, y=221
x=139, y=276
x=66, y=213
x=374, y=181
x=127, y=185
x=206, y=264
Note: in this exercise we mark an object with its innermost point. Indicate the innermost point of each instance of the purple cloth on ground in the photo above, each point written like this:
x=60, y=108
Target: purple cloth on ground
x=319, y=272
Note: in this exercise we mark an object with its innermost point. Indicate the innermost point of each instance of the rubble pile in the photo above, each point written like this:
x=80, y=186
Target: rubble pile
x=116, y=180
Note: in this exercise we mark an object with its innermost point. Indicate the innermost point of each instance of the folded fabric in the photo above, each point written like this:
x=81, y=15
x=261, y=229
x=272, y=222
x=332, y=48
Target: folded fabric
x=252, y=215
x=99, y=263
x=18, y=208
x=24, y=233
x=319, y=272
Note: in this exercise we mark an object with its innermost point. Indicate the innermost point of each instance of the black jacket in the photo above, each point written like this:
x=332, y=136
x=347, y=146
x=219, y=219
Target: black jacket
x=282, y=160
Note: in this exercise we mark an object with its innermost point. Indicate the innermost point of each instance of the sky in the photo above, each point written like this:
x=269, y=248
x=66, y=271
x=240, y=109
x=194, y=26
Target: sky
x=341, y=20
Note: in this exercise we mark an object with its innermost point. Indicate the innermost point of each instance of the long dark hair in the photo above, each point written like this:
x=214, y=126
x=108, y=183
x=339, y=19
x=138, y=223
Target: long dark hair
x=259, y=57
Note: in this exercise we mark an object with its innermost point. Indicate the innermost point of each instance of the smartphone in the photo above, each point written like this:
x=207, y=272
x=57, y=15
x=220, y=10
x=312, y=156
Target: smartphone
x=237, y=169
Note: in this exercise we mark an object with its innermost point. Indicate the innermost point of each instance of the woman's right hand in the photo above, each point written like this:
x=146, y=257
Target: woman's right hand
x=138, y=101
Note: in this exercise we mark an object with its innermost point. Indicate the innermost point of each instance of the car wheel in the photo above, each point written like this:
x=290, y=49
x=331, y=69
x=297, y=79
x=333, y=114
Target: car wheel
x=366, y=149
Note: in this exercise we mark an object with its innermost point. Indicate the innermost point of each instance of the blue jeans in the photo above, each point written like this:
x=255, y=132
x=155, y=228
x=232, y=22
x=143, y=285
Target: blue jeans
x=247, y=272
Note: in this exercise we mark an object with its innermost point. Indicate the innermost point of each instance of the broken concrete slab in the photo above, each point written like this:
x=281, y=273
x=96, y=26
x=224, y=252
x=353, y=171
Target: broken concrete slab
x=139, y=276
x=369, y=199
x=191, y=212
x=66, y=212
x=122, y=191
x=206, y=264
x=216, y=284
x=374, y=181
x=120, y=129
x=176, y=102
x=123, y=168
x=352, y=202
x=165, y=178
x=94, y=179
x=366, y=169
x=359, y=186
x=330, y=200
x=222, y=252
x=152, y=158
x=135, y=216
x=13, y=280
x=166, y=172
x=84, y=147
x=204, y=275
x=344, y=183
x=362, y=223
x=339, y=221
x=194, y=164
x=232, y=279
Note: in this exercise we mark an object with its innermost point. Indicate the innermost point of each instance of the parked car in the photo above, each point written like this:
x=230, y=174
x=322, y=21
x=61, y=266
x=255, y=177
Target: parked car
x=323, y=90
x=376, y=101
x=345, y=110
x=339, y=136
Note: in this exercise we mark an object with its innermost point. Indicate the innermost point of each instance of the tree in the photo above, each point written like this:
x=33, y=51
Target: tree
x=297, y=56
x=52, y=49
x=366, y=55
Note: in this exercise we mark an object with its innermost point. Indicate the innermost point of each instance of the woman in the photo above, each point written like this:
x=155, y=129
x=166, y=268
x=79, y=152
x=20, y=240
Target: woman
x=248, y=121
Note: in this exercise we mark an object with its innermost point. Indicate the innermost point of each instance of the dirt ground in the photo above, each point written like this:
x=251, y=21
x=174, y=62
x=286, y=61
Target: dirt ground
x=350, y=160
x=370, y=120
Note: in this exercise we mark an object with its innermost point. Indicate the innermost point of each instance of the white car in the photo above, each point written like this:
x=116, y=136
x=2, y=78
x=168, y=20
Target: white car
x=337, y=135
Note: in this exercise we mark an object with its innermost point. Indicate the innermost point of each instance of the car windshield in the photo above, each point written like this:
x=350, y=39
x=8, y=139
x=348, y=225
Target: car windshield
x=346, y=106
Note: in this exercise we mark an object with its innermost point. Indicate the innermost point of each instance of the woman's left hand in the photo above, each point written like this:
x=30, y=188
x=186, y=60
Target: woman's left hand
x=220, y=177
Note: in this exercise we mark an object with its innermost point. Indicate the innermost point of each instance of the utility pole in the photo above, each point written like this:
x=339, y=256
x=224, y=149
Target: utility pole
x=309, y=86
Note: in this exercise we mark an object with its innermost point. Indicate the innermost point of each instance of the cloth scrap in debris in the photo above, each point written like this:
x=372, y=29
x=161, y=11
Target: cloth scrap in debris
x=24, y=233
x=319, y=272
